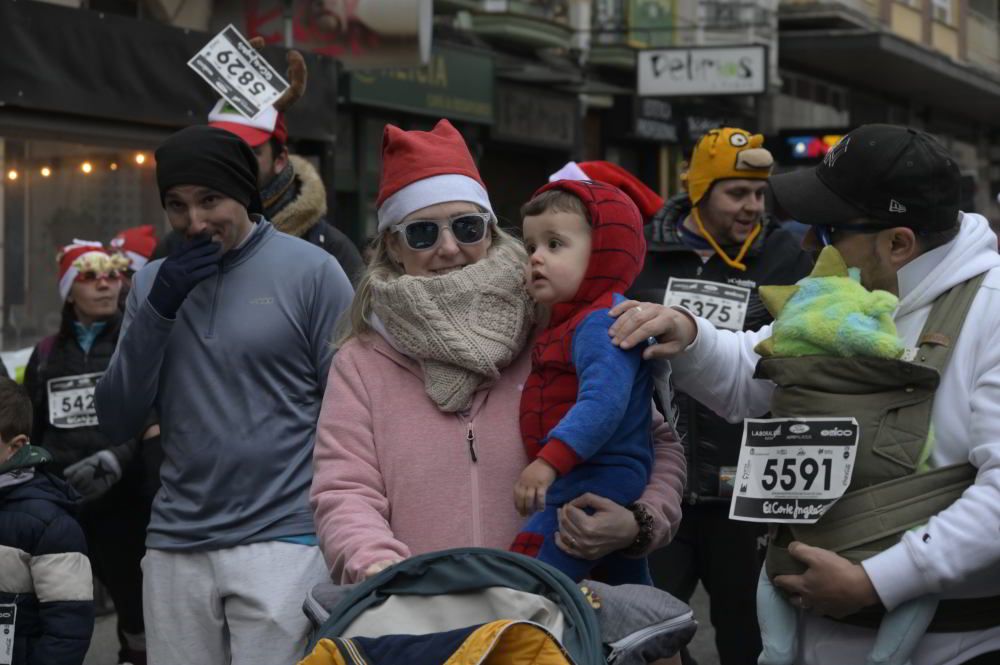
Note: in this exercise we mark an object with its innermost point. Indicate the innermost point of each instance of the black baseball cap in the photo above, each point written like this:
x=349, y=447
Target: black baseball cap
x=886, y=173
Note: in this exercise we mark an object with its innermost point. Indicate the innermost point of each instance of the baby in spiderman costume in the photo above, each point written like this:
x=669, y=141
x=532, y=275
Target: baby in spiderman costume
x=586, y=406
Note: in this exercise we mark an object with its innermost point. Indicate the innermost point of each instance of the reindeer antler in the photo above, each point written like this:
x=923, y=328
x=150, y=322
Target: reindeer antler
x=296, y=76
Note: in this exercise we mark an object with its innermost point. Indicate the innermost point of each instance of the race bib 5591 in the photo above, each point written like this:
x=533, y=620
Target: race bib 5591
x=792, y=470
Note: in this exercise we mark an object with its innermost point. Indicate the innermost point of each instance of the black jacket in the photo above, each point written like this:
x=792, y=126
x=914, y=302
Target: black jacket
x=339, y=246
x=300, y=210
x=64, y=357
x=55, y=614
x=776, y=257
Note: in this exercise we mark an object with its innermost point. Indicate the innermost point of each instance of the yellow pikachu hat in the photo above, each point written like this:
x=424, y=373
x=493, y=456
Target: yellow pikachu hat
x=721, y=154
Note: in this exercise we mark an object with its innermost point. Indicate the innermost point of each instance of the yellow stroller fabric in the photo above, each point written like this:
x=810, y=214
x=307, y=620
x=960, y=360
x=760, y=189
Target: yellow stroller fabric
x=495, y=643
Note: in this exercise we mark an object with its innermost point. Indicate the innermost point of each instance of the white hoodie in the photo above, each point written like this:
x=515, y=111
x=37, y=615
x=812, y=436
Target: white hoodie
x=957, y=554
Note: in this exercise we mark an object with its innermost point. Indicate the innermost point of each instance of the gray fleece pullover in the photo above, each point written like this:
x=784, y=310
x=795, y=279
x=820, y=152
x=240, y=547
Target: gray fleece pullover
x=237, y=379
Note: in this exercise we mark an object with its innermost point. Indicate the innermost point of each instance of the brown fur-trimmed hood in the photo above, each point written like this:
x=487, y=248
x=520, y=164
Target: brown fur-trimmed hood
x=308, y=207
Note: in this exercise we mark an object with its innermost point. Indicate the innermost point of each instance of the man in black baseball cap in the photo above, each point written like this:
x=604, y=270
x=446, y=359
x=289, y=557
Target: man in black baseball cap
x=883, y=195
x=887, y=198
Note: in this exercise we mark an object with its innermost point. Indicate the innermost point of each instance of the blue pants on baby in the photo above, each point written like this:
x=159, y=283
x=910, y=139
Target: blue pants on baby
x=537, y=537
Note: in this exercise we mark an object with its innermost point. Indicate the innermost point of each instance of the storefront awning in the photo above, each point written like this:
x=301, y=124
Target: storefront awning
x=887, y=63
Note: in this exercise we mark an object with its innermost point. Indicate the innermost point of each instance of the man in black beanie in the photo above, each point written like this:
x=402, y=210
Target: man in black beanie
x=291, y=190
x=228, y=339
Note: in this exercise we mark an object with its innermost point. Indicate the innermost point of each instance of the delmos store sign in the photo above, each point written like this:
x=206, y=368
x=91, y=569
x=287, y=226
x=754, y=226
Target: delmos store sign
x=727, y=70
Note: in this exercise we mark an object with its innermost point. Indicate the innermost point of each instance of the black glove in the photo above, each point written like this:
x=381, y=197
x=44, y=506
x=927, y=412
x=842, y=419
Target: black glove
x=189, y=264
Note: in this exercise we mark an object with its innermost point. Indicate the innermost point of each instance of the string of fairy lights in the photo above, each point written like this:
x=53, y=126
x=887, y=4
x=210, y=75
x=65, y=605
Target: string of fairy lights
x=83, y=166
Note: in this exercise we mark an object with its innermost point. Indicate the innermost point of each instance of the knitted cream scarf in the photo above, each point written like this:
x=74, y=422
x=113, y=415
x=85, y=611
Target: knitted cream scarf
x=462, y=327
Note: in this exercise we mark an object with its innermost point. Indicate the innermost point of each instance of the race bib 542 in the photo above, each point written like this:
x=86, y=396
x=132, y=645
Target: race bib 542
x=71, y=401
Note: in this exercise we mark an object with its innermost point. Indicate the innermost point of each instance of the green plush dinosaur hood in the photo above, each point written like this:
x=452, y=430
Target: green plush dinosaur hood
x=829, y=313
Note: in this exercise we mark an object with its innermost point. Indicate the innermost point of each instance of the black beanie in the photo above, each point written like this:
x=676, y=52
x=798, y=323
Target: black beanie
x=209, y=157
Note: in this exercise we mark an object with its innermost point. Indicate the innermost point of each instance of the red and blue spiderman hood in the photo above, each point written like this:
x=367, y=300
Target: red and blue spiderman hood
x=617, y=249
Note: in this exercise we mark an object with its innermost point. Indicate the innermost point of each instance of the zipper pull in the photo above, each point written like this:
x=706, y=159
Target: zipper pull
x=471, y=438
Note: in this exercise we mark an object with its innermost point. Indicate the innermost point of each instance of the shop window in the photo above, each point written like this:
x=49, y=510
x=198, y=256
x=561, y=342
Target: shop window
x=54, y=192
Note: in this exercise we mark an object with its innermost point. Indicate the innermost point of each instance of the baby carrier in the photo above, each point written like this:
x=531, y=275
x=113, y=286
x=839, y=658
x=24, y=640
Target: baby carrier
x=476, y=605
x=892, y=400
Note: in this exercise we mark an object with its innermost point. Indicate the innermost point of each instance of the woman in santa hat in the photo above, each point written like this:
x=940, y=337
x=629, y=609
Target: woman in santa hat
x=60, y=378
x=418, y=445
x=135, y=247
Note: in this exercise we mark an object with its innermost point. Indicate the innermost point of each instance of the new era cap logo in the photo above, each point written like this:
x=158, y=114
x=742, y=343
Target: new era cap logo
x=896, y=206
x=836, y=151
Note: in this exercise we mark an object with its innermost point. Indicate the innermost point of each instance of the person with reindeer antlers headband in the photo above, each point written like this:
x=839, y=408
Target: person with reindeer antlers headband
x=291, y=189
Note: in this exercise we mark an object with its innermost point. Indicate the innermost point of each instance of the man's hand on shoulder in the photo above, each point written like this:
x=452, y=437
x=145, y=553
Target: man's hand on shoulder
x=674, y=330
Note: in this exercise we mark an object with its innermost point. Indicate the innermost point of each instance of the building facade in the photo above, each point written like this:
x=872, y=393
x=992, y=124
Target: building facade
x=92, y=86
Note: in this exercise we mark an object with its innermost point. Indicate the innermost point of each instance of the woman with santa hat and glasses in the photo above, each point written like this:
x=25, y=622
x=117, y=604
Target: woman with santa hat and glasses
x=418, y=444
x=60, y=378
x=135, y=247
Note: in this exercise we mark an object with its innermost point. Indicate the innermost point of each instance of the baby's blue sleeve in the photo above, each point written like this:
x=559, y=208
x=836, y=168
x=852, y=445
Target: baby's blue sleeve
x=605, y=375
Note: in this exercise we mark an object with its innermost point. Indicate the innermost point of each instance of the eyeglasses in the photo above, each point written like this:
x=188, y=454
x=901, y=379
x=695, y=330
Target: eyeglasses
x=825, y=231
x=93, y=276
x=469, y=228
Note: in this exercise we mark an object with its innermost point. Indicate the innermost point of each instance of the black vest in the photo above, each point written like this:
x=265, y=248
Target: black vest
x=66, y=358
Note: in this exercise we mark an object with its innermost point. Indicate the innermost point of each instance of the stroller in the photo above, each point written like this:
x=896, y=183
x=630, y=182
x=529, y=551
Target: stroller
x=475, y=605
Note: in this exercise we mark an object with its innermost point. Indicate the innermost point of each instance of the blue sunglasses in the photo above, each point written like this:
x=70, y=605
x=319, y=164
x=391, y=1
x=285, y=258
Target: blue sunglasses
x=824, y=232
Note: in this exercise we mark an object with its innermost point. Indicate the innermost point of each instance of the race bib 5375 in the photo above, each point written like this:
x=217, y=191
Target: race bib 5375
x=724, y=305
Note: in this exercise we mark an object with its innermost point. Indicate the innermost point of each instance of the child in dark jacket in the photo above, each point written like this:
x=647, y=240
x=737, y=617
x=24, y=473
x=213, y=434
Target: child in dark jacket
x=46, y=587
x=586, y=406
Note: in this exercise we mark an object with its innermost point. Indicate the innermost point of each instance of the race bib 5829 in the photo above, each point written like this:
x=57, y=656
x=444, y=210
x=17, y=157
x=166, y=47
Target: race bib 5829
x=238, y=72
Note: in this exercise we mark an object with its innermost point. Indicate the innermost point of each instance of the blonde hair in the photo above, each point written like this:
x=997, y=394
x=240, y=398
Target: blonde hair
x=357, y=320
